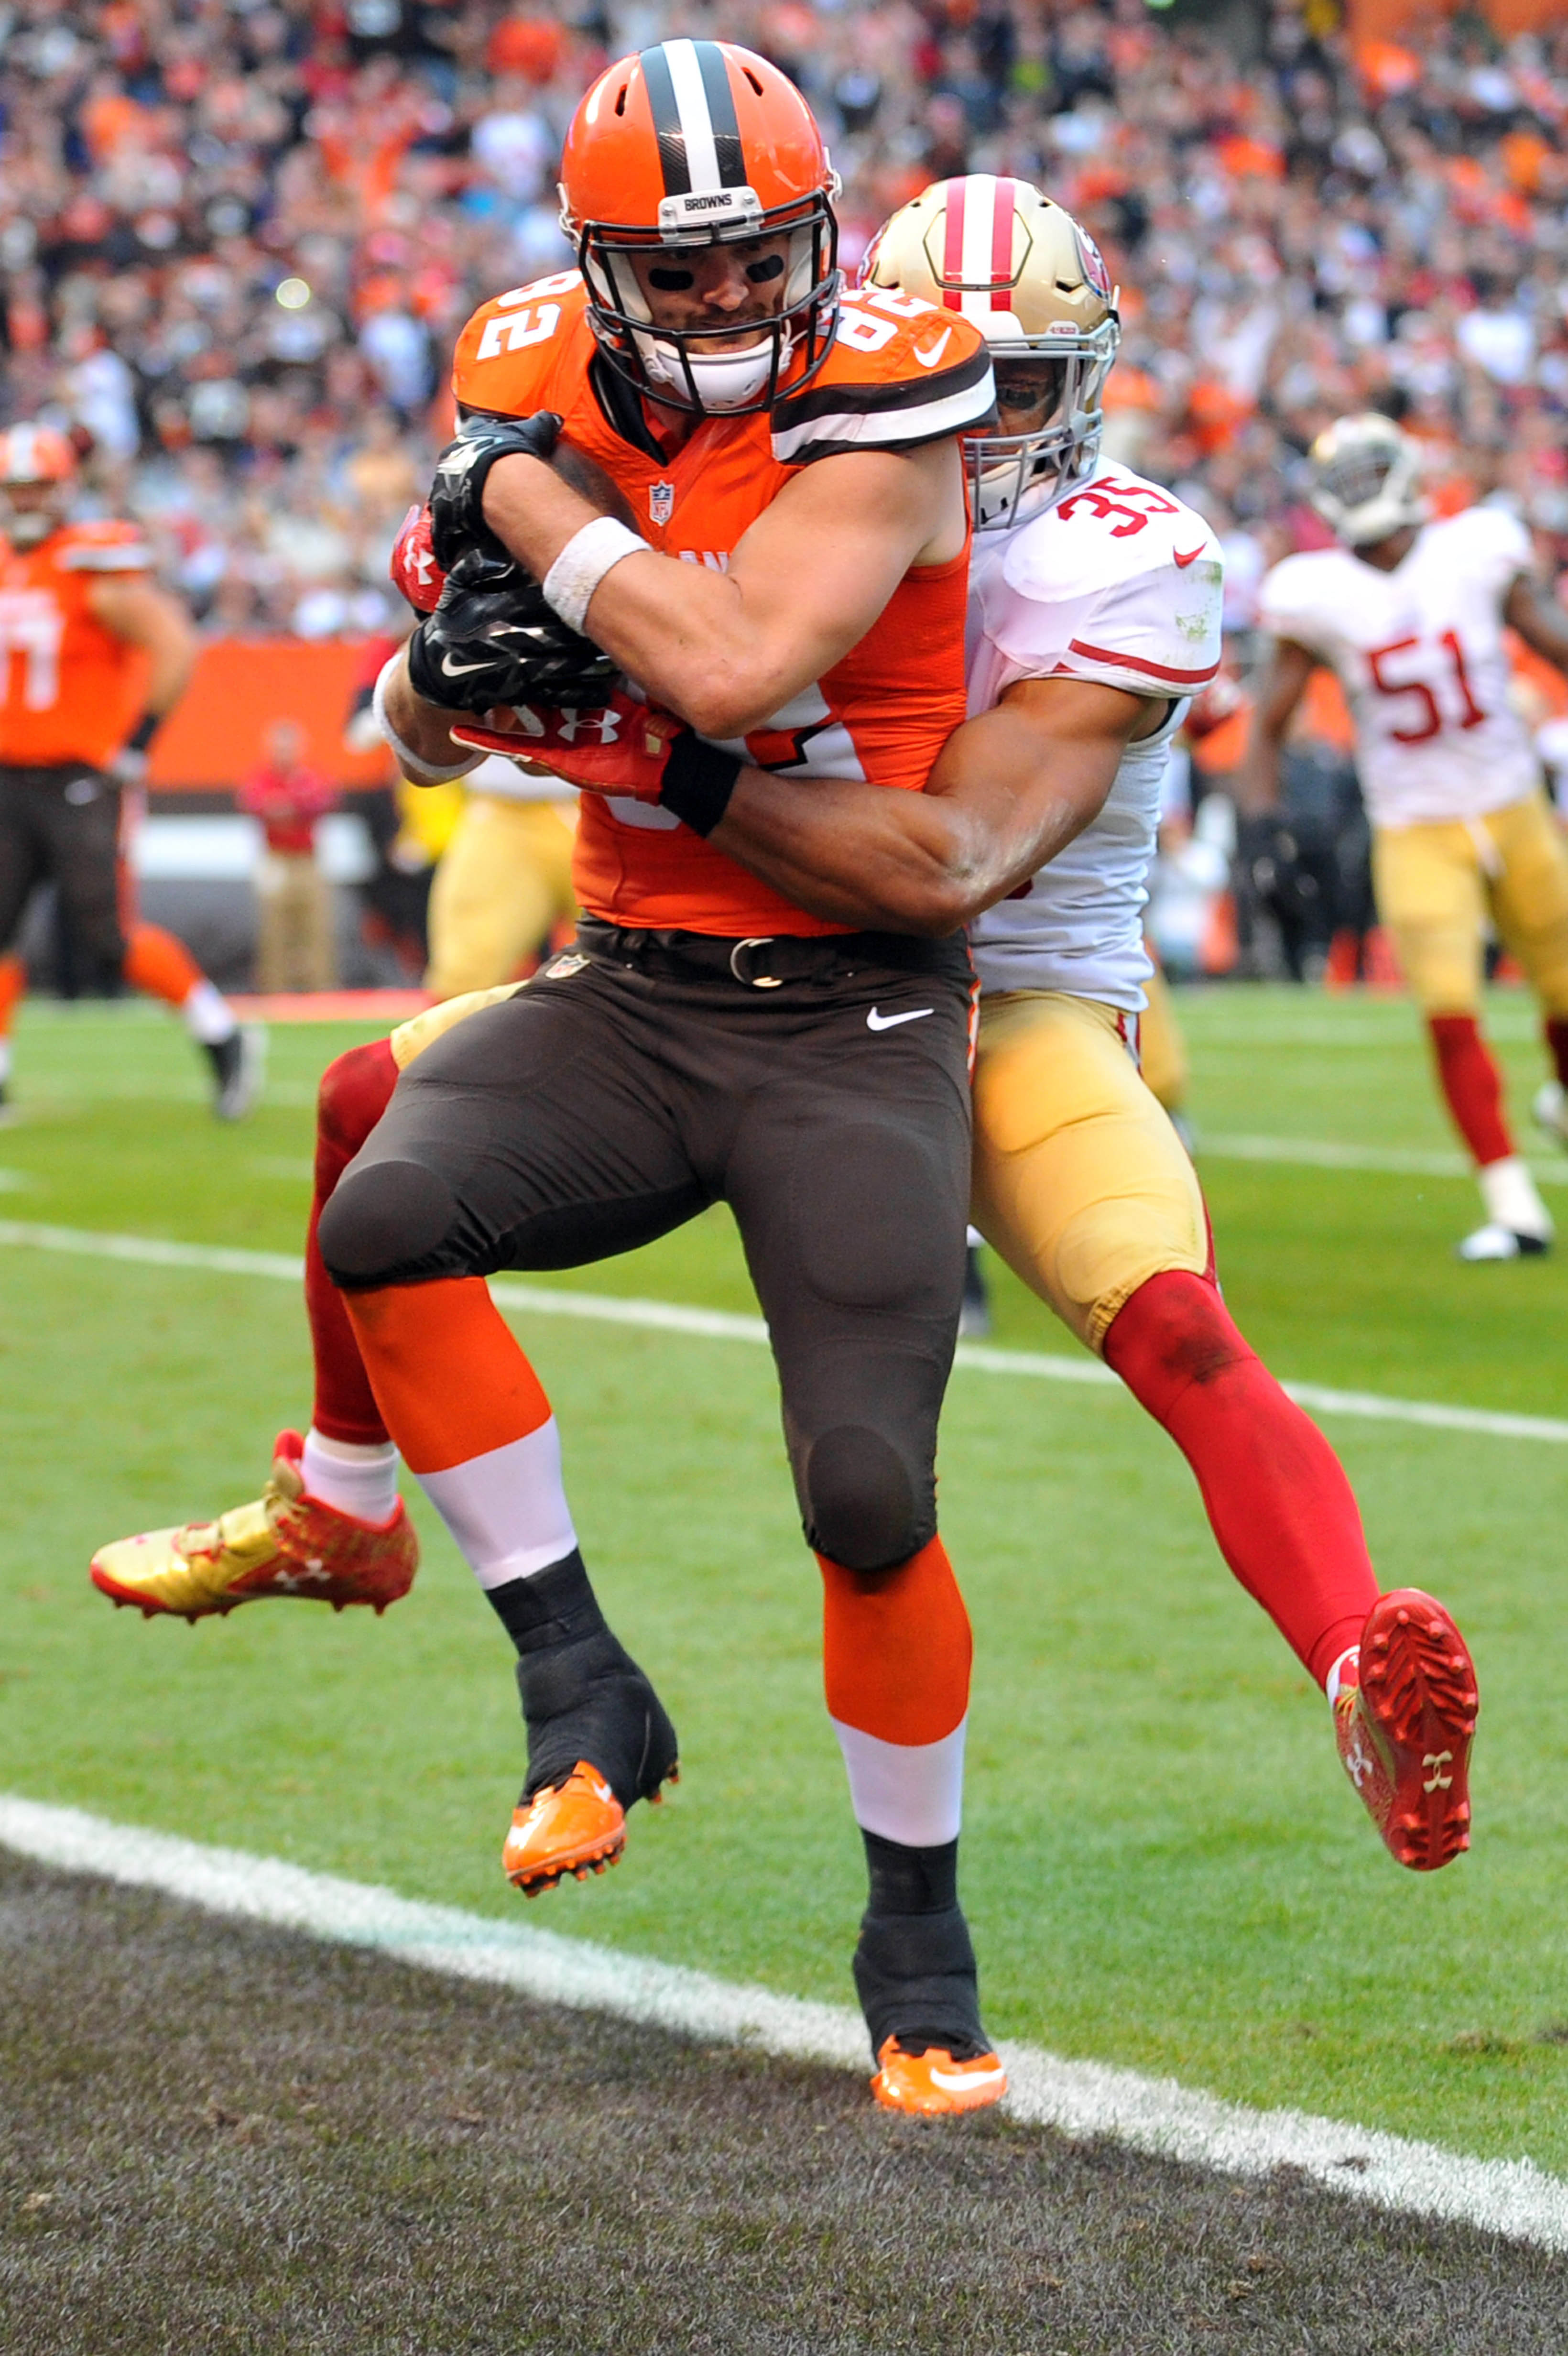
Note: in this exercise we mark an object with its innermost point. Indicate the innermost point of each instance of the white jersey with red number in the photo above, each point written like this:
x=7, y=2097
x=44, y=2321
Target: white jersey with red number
x=1120, y=583
x=1419, y=652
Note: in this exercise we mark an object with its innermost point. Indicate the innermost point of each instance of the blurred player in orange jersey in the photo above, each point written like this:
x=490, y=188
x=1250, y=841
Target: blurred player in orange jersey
x=83, y=627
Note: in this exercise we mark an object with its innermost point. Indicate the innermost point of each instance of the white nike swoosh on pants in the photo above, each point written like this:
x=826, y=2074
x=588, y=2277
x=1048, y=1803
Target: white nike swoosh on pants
x=875, y=1022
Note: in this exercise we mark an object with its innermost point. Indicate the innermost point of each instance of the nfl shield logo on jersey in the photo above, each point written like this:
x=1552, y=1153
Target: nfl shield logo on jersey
x=661, y=501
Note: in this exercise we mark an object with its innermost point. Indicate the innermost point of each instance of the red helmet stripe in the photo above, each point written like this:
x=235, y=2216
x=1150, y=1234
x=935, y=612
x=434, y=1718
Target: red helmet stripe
x=953, y=247
x=1002, y=245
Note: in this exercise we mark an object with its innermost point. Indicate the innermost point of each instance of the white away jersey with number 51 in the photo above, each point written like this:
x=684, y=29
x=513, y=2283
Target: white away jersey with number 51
x=1419, y=652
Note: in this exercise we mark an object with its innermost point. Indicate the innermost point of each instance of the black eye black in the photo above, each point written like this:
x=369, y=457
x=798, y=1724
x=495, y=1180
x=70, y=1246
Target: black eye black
x=672, y=281
x=758, y=273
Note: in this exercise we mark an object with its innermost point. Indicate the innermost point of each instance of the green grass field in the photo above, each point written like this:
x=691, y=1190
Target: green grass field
x=1164, y=1863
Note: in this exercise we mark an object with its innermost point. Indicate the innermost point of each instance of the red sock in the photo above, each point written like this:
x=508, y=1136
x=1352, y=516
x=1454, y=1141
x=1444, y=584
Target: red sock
x=355, y=1092
x=13, y=988
x=1473, y=1086
x=1557, y=1040
x=1275, y=1494
x=157, y=963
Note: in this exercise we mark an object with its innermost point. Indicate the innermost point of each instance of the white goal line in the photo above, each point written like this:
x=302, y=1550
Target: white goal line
x=1082, y=2099
x=724, y=1325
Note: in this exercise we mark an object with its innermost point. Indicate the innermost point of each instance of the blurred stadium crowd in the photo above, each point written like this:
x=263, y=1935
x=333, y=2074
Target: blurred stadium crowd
x=237, y=240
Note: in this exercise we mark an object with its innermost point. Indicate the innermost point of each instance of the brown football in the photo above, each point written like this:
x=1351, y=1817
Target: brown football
x=588, y=478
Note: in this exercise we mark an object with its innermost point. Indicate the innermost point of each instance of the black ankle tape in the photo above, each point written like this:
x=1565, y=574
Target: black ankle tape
x=587, y=1698
x=910, y=1881
x=698, y=780
x=551, y=1608
x=916, y=1979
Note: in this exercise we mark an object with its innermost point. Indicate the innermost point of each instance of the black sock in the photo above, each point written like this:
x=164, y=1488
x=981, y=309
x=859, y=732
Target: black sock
x=910, y=1881
x=554, y=1607
x=914, y=1965
x=584, y=1696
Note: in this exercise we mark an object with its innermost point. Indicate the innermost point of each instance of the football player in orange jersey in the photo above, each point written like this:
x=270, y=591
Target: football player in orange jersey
x=82, y=625
x=707, y=1038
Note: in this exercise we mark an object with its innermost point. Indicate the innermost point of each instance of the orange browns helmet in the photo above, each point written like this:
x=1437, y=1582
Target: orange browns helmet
x=35, y=453
x=1034, y=282
x=692, y=144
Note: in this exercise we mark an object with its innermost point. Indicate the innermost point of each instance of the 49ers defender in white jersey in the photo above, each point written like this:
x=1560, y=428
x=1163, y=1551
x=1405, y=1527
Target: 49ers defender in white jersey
x=1410, y=615
x=1093, y=614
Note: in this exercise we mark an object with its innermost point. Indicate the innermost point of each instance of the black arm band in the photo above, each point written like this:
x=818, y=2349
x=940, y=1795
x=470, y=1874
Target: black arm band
x=145, y=731
x=698, y=780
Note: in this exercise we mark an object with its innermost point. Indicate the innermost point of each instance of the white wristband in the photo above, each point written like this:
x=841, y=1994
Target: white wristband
x=418, y=772
x=582, y=564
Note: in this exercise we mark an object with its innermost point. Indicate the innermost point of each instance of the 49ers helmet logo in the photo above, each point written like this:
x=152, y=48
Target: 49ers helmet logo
x=1095, y=270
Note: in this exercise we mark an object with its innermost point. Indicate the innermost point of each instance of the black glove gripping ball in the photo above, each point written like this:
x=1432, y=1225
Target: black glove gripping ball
x=492, y=640
x=457, y=494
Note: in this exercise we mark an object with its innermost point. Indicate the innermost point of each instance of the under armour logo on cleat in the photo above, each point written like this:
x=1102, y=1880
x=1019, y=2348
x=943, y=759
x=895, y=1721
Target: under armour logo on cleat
x=1437, y=1761
x=1357, y=1766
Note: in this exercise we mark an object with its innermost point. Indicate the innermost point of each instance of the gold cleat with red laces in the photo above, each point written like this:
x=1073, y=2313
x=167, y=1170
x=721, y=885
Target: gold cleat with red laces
x=283, y=1543
x=932, y=2084
x=1405, y=1732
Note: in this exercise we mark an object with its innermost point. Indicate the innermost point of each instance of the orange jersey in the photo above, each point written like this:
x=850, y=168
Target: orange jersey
x=70, y=687
x=900, y=373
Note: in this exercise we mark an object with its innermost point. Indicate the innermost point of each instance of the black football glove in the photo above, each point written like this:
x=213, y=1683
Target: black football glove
x=492, y=640
x=457, y=494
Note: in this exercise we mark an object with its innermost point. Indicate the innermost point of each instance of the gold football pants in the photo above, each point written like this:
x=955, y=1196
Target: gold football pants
x=1080, y=1181
x=1436, y=885
x=504, y=882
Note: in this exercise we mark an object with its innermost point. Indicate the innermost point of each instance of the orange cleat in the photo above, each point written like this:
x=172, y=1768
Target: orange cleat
x=576, y=1827
x=285, y=1543
x=1405, y=1732
x=932, y=2084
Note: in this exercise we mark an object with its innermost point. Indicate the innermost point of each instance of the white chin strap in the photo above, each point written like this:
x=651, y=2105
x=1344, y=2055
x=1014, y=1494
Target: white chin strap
x=723, y=379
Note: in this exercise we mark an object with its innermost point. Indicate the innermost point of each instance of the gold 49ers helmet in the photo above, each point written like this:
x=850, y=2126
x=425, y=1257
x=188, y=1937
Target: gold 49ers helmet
x=35, y=455
x=1366, y=478
x=1035, y=285
x=689, y=144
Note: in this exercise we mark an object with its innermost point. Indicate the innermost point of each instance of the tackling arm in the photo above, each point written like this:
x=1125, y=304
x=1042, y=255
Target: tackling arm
x=134, y=610
x=809, y=577
x=1009, y=789
x=1283, y=687
x=1540, y=620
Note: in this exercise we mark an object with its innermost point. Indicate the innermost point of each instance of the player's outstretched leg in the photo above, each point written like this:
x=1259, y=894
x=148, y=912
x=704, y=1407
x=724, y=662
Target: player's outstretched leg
x=162, y=966
x=476, y=1427
x=1517, y=1224
x=896, y=1655
x=330, y=1523
x=1396, y=1670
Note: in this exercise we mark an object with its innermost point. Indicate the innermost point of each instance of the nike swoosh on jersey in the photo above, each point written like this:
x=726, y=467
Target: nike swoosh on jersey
x=929, y=359
x=875, y=1022
x=954, y=2082
x=1185, y=556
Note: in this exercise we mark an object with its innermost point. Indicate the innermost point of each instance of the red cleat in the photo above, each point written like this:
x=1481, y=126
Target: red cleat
x=1404, y=1732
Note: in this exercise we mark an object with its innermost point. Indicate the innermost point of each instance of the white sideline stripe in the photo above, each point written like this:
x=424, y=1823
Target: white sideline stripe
x=724, y=1325
x=1082, y=2099
x=1322, y=1153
